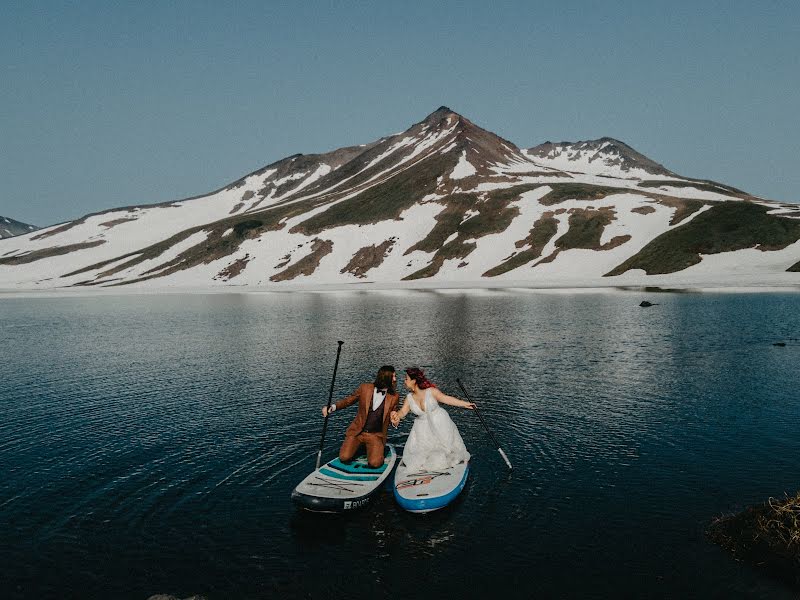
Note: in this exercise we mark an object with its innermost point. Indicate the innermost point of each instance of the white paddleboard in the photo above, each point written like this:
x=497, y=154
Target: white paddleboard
x=338, y=486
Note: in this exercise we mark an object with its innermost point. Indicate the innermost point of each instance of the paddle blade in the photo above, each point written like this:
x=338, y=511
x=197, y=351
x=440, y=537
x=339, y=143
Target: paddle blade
x=505, y=458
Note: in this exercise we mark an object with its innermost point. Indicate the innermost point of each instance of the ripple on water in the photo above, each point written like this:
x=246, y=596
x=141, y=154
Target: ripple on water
x=151, y=443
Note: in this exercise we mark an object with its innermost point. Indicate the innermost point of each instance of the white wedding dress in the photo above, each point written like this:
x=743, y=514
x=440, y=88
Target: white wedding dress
x=434, y=441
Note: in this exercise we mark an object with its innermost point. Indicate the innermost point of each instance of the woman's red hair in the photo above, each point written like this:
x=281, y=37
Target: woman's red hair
x=418, y=375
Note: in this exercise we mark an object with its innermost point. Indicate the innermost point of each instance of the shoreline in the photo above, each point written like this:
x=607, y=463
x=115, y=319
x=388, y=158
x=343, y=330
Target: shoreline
x=445, y=287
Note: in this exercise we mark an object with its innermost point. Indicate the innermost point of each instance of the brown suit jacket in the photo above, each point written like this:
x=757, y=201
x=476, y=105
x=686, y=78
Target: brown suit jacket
x=363, y=395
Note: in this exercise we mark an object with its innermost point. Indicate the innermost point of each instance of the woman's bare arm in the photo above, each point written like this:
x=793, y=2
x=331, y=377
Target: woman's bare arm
x=450, y=400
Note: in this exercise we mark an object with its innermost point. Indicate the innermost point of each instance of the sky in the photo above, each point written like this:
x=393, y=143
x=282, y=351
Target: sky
x=109, y=104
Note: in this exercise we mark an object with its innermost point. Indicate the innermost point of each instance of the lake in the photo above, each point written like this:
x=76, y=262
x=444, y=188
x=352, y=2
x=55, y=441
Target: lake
x=149, y=443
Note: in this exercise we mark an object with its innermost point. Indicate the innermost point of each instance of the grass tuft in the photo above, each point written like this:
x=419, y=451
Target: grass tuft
x=767, y=535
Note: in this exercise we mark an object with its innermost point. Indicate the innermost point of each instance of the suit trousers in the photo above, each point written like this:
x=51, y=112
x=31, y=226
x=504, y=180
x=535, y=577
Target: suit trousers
x=373, y=442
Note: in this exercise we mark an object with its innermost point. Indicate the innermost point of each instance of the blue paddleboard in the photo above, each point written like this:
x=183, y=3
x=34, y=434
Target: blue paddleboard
x=424, y=490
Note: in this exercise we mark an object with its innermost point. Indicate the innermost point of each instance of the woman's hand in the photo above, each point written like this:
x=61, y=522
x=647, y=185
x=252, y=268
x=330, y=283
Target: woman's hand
x=469, y=405
x=395, y=418
x=325, y=411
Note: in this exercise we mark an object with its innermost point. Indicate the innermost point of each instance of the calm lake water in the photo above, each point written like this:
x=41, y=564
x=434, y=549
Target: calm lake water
x=149, y=444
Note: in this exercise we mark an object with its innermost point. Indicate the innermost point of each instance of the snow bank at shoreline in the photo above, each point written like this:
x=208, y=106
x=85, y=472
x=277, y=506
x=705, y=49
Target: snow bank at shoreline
x=640, y=285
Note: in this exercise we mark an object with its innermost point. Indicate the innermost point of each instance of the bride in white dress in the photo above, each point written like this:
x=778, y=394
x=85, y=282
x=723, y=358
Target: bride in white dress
x=434, y=441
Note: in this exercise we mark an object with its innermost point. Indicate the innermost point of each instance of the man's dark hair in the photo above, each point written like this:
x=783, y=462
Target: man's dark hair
x=383, y=380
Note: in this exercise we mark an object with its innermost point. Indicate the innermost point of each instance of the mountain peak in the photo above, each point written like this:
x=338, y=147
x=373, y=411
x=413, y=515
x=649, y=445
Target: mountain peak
x=9, y=227
x=600, y=155
x=440, y=114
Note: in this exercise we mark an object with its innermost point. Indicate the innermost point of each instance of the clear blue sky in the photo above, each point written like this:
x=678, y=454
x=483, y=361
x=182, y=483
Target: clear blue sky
x=107, y=104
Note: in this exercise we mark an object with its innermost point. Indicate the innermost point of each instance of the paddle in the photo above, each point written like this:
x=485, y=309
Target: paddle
x=485, y=426
x=330, y=397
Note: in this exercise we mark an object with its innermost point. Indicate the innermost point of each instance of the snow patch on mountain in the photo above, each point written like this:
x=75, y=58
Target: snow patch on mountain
x=463, y=169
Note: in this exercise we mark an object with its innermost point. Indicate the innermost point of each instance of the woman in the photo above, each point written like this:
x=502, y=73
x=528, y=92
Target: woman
x=434, y=441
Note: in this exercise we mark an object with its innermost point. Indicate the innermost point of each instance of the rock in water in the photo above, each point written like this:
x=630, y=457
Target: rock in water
x=645, y=304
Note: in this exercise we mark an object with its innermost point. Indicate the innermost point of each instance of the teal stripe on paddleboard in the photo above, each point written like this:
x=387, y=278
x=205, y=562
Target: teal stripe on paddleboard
x=337, y=475
x=357, y=467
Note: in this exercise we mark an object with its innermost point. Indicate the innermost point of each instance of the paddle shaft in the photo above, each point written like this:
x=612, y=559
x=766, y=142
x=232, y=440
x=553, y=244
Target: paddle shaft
x=330, y=397
x=485, y=426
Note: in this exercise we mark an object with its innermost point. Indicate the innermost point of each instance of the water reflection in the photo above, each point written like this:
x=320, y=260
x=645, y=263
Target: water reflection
x=154, y=441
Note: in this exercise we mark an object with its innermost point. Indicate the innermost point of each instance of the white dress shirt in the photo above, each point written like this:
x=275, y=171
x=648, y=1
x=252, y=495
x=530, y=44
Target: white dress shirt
x=377, y=398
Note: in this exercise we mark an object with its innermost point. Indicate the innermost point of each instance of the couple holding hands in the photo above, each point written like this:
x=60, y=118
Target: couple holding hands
x=434, y=441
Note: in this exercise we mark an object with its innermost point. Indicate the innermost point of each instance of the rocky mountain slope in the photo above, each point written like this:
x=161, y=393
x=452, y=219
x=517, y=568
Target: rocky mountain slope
x=443, y=202
x=10, y=227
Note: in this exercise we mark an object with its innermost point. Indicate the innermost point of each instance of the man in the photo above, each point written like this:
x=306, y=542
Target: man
x=376, y=401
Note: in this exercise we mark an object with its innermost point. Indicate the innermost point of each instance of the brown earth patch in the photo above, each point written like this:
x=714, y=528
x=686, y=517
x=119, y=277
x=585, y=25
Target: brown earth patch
x=684, y=207
x=130, y=209
x=308, y=264
x=217, y=245
x=285, y=260
x=115, y=222
x=795, y=268
x=544, y=174
x=60, y=229
x=30, y=257
x=617, y=240
x=233, y=269
x=90, y=282
x=454, y=249
x=236, y=208
x=368, y=258
x=643, y=210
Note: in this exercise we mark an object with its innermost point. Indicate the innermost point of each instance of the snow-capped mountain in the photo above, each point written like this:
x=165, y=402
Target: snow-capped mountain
x=605, y=156
x=10, y=227
x=443, y=202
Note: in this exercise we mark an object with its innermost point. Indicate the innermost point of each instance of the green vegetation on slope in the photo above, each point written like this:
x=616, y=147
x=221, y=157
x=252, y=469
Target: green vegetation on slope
x=579, y=191
x=447, y=222
x=585, y=229
x=684, y=207
x=383, y=201
x=494, y=216
x=308, y=264
x=220, y=243
x=29, y=257
x=706, y=186
x=724, y=227
x=542, y=232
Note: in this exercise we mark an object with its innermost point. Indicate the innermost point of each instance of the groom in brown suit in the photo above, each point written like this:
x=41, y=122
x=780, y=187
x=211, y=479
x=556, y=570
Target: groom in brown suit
x=376, y=401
